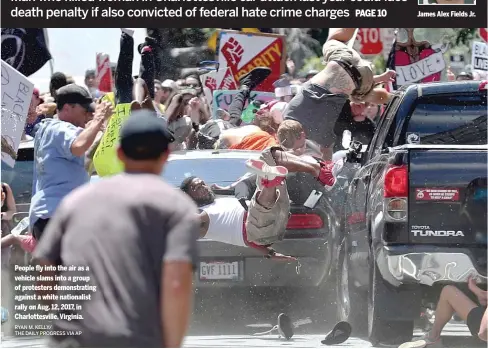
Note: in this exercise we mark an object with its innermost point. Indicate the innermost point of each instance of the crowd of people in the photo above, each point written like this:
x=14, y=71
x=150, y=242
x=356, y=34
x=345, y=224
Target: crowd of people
x=68, y=222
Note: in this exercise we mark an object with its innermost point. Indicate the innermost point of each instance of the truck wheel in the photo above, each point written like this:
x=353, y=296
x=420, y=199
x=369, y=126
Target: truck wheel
x=381, y=302
x=351, y=304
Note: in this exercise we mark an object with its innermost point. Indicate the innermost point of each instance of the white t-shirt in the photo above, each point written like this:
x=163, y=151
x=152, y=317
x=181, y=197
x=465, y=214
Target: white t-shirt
x=226, y=217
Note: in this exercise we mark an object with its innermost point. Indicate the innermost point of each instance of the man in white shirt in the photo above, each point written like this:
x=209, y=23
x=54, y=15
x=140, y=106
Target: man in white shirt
x=264, y=223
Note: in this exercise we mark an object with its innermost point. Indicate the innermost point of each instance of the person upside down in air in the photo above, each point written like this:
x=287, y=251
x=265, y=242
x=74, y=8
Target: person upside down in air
x=264, y=222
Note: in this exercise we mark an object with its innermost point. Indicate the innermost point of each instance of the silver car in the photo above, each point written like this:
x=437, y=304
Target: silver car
x=310, y=236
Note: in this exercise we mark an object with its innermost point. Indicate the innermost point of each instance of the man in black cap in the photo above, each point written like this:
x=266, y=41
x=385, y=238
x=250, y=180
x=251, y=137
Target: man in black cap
x=59, y=151
x=137, y=236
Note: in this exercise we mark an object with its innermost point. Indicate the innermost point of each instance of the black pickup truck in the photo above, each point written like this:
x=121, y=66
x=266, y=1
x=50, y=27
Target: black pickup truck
x=415, y=214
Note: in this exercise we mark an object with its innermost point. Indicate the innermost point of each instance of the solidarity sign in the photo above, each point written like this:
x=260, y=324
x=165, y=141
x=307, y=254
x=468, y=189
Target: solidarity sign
x=239, y=53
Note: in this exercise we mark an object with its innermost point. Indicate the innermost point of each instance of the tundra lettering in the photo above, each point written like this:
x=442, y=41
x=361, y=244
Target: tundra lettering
x=437, y=233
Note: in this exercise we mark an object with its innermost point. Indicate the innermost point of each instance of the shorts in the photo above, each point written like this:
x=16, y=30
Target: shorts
x=474, y=320
x=317, y=109
x=39, y=227
x=265, y=226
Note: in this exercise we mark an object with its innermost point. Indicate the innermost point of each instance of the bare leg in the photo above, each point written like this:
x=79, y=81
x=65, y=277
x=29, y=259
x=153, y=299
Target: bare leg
x=451, y=301
x=267, y=197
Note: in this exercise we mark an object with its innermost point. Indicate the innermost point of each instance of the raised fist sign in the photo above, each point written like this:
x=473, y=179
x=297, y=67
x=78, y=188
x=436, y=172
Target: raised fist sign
x=232, y=52
x=210, y=83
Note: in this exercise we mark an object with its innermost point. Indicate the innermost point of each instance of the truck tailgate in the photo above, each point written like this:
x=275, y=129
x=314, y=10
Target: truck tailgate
x=448, y=196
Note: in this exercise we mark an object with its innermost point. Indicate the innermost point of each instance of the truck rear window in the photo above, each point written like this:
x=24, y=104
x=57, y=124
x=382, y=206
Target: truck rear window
x=221, y=171
x=449, y=120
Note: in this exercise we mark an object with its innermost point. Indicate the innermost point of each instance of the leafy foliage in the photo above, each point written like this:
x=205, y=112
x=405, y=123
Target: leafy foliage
x=464, y=36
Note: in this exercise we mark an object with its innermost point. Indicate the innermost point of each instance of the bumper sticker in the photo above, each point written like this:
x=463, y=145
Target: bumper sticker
x=434, y=194
x=413, y=138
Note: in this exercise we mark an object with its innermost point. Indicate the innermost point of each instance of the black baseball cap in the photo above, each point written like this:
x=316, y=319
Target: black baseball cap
x=74, y=94
x=145, y=136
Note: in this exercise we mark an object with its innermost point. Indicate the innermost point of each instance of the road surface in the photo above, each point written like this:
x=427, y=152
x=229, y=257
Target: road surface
x=228, y=318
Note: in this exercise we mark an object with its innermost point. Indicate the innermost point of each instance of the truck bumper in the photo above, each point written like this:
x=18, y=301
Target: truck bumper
x=254, y=270
x=428, y=265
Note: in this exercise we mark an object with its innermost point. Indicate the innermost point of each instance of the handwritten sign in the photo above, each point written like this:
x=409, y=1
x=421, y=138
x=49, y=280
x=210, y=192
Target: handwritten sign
x=16, y=98
x=420, y=70
x=105, y=159
x=479, y=58
x=223, y=98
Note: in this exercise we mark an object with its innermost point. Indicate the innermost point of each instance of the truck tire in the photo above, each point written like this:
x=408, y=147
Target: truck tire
x=384, y=300
x=351, y=303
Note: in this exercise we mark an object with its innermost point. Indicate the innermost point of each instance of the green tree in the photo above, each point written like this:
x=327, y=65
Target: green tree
x=179, y=48
x=300, y=46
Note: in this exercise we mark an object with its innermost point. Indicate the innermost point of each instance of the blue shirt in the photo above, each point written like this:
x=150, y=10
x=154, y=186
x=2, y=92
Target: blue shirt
x=56, y=170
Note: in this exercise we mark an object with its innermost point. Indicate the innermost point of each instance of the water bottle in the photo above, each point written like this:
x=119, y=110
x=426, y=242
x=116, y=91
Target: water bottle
x=19, y=228
x=346, y=139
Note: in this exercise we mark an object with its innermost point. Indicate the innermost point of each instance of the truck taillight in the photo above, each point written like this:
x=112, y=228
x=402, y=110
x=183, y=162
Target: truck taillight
x=396, y=182
x=396, y=193
x=304, y=221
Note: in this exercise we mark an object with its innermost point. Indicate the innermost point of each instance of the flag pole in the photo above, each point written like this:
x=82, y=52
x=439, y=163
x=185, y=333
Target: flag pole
x=51, y=64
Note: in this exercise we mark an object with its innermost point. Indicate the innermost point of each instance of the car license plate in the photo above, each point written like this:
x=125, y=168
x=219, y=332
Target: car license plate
x=219, y=270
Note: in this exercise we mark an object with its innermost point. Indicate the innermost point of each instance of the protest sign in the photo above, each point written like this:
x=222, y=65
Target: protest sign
x=369, y=41
x=417, y=60
x=104, y=73
x=238, y=53
x=209, y=84
x=223, y=98
x=483, y=33
x=105, y=159
x=479, y=57
x=16, y=99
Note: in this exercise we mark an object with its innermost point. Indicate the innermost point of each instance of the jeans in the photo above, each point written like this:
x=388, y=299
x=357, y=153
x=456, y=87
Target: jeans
x=237, y=106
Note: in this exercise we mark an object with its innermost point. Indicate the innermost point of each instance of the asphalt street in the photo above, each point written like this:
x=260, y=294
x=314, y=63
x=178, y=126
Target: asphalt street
x=229, y=318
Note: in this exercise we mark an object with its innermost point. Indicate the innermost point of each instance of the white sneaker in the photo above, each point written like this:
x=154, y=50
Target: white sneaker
x=268, y=176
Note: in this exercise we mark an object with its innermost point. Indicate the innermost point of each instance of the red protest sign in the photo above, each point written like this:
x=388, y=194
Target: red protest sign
x=239, y=53
x=369, y=41
x=104, y=74
x=484, y=33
